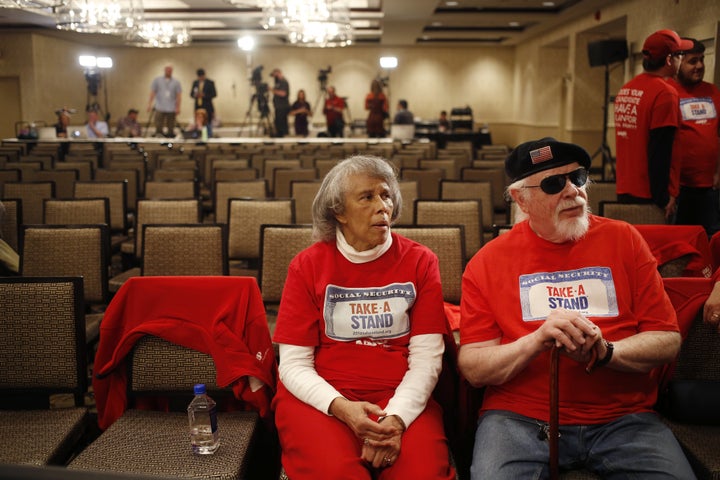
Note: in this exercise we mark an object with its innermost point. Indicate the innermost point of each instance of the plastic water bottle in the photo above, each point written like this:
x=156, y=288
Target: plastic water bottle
x=202, y=414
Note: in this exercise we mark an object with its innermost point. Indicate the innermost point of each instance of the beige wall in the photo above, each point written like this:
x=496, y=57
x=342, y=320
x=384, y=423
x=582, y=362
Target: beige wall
x=544, y=86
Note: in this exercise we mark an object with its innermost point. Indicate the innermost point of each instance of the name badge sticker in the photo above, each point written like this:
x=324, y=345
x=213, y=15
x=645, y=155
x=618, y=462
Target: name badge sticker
x=378, y=313
x=590, y=291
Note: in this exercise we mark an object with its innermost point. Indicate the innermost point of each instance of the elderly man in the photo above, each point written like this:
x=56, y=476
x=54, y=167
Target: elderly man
x=588, y=285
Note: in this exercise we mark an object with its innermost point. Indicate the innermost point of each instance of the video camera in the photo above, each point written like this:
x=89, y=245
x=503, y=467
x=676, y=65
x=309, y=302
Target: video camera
x=323, y=76
x=93, y=82
x=383, y=81
x=261, y=91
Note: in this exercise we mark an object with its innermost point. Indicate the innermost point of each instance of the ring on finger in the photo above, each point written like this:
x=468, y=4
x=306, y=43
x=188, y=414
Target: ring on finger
x=387, y=461
x=716, y=315
x=366, y=441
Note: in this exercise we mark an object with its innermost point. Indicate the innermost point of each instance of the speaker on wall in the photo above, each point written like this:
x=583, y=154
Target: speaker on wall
x=605, y=52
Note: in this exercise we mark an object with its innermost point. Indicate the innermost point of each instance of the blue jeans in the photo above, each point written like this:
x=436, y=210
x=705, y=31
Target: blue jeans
x=636, y=446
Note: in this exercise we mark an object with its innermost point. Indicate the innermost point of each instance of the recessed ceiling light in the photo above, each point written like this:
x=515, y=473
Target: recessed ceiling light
x=514, y=24
x=452, y=4
x=548, y=4
x=436, y=24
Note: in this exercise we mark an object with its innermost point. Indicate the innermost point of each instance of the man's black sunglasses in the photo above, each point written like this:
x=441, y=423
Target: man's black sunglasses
x=556, y=183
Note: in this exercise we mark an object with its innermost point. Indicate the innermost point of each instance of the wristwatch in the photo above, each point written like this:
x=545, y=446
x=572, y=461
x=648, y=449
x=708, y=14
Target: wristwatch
x=609, y=347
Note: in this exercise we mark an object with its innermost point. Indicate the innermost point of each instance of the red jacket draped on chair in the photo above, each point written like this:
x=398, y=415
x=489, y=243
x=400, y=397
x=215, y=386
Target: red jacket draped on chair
x=221, y=316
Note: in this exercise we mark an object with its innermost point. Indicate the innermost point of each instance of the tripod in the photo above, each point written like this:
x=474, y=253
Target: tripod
x=608, y=162
x=264, y=122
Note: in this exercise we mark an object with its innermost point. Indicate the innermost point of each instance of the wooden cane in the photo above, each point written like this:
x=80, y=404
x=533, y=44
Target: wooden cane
x=553, y=427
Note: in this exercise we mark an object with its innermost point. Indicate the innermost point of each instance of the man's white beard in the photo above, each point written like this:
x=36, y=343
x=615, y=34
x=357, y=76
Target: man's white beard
x=573, y=229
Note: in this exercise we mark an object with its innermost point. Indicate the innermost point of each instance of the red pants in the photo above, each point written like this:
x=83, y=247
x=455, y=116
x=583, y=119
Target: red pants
x=317, y=446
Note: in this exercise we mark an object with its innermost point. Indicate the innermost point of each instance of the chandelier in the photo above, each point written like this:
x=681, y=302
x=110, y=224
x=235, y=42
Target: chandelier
x=116, y=17
x=31, y=3
x=159, y=35
x=311, y=23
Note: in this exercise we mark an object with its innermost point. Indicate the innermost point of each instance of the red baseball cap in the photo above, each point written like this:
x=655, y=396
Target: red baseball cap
x=664, y=42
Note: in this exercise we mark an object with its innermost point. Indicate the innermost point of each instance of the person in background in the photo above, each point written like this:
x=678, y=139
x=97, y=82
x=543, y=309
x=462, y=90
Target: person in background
x=333, y=110
x=697, y=148
x=301, y=110
x=360, y=331
x=63, y=116
x=589, y=286
x=203, y=92
x=165, y=99
x=200, y=127
x=96, y=128
x=403, y=116
x=376, y=104
x=281, y=103
x=443, y=122
x=128, y=126
x=646, y=120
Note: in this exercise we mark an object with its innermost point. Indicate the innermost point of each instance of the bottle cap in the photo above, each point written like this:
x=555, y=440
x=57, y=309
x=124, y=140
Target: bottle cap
x=199, y=389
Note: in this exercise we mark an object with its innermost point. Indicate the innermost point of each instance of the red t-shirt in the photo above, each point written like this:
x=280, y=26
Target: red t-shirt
x=360, y=317
x=696, y=144
x=332, y=115
x=609, y=275
x=644, y=103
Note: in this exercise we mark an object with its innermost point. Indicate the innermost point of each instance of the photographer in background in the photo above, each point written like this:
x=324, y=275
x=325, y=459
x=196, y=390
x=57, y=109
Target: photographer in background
x=403, y=116
x=376, y=104
x=281, y=103
x=96, y=128
x=203, y=91
x=333, y=111
x=128, y=126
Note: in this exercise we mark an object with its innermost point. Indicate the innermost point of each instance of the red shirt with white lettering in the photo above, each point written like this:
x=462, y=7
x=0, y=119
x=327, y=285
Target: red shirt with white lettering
x=609, y=275
x=361, y=316
x=696, y=146
x=644, y=103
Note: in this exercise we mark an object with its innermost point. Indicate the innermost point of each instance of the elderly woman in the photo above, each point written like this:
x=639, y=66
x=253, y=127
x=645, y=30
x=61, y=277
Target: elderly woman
x=360, y=329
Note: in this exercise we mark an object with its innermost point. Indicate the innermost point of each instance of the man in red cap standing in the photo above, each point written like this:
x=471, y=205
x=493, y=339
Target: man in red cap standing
x=646, y=119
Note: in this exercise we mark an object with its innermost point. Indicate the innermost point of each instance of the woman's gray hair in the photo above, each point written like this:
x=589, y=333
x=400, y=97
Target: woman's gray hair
x=330, y=199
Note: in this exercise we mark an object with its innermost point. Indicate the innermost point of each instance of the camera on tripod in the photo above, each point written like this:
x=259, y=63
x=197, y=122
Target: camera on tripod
x=323, y=76
x=261, y=91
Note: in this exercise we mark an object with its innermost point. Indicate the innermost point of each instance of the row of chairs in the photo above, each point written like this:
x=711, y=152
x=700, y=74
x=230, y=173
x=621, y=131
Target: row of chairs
x=39, y=361
x=43, y=345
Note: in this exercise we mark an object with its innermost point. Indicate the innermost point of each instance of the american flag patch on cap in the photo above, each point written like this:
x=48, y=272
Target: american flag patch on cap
x=541, y=155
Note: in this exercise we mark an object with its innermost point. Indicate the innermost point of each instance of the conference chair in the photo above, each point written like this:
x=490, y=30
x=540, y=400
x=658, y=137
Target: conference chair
x=246, y=216
x=171, y=189
x=32, y=195
x=467, y=213
x=448, y=243
x=635, y=213
x=64, y=180
x=278, y=246
x=283, y=177
x=11, y=221
x=599, y=192
x=130, y=176
x=8, y=175
x=472, y=190
x=183, y=249
x=428, y=181
x=71, y=250
x=42, y=352
x=409, y=193
x=303, y=192
x=225, y=190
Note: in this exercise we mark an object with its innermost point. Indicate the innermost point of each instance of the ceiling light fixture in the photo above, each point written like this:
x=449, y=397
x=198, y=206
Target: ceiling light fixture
x=31, y=3
x=115, y=17
x=310, y=23
x=159, y=35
